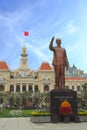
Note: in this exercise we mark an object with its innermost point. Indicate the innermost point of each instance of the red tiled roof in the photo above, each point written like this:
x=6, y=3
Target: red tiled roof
x=74, y=78
x=3, y=65
x=45, y=66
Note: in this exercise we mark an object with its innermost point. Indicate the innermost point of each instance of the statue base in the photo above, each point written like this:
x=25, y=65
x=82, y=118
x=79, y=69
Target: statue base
x=57, y=96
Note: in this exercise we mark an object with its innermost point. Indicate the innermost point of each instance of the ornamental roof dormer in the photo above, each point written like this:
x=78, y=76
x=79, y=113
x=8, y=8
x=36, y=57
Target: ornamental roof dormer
x=3, y=65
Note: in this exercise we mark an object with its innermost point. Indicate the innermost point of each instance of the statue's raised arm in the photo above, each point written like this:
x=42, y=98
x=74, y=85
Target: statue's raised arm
x=51, y=44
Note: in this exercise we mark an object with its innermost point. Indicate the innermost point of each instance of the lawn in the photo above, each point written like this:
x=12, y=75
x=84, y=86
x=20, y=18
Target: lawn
x=15, y=113
x=26, y=113
x=4, y=112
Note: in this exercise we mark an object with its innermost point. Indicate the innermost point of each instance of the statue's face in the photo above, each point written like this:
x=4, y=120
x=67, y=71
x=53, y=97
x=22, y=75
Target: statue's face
x=58, y=41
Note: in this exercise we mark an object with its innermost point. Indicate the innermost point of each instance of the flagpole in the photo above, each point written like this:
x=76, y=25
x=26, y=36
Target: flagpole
x=26, y=35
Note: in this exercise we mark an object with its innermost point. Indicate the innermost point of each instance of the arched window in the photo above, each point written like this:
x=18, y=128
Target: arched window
x=78, y=88
x=85, y=87
x=24, y=88
x=46, y=88
x=11, y=88
x=72, y=87
x=1, y=100
x=67, y=87
x=18, y=88
x=30, y=88
x=36, y=88
x=1, y=87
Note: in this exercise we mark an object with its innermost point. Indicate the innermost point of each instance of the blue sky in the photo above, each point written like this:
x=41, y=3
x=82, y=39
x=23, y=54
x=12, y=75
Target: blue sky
x=43, y=19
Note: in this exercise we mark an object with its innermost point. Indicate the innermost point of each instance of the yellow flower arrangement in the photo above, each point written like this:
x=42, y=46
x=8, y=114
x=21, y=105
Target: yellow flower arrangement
x=39, y=113
x=82, y=113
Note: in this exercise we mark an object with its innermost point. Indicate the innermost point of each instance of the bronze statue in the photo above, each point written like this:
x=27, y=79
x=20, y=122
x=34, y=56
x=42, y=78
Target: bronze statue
x=60, y=61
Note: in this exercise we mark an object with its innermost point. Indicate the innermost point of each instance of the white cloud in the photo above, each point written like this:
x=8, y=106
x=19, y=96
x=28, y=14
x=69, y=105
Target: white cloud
x=71, y=28
x=77, y=53
x=37, y=51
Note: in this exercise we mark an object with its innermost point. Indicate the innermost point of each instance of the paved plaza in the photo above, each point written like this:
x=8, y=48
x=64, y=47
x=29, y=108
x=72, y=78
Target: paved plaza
x=26, y=124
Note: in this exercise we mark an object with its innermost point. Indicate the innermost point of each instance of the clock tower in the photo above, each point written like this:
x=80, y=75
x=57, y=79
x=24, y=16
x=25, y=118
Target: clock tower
x=24, y=60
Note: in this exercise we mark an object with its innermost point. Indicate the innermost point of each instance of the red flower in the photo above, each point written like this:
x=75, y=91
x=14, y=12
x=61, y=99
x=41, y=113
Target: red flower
x=65, y=108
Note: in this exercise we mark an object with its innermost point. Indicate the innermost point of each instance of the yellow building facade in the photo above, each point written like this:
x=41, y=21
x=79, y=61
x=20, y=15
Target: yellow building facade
x=23, y=79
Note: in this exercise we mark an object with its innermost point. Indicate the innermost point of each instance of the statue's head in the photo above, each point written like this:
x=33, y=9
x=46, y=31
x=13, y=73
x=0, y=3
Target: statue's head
x=58, y=41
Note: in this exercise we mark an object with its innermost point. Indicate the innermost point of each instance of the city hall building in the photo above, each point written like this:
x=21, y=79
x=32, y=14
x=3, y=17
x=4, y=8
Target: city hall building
x=23, y=79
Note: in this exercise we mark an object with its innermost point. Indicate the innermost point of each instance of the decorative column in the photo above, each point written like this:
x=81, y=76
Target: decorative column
x=6, y=87
x=27, y=87
x=75, y=88
x=33, y=88
x=70, y=86
x=21, y=88
x=41, y=88
x=14, y=88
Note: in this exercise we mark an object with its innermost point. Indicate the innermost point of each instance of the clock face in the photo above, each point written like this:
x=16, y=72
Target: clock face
x=23, y=74
x=24, y=62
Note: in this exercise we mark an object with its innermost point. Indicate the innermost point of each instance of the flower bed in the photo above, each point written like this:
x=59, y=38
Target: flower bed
x=82, y=113
x=38, y=117
x=40, y=113
x=65, y=108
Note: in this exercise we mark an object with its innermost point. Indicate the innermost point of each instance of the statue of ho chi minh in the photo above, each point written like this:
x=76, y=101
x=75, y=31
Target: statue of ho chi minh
x=60, y=61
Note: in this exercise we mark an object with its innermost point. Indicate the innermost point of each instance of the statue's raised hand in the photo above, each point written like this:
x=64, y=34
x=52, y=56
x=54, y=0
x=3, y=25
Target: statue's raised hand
x=52, y=39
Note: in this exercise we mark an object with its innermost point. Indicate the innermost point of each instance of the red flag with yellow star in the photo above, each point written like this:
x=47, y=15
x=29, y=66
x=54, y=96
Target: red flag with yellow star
x=26, y=33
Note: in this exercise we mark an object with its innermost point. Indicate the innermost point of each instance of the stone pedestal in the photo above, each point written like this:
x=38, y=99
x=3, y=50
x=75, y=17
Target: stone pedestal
x=66, y=119
x=57, y=96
